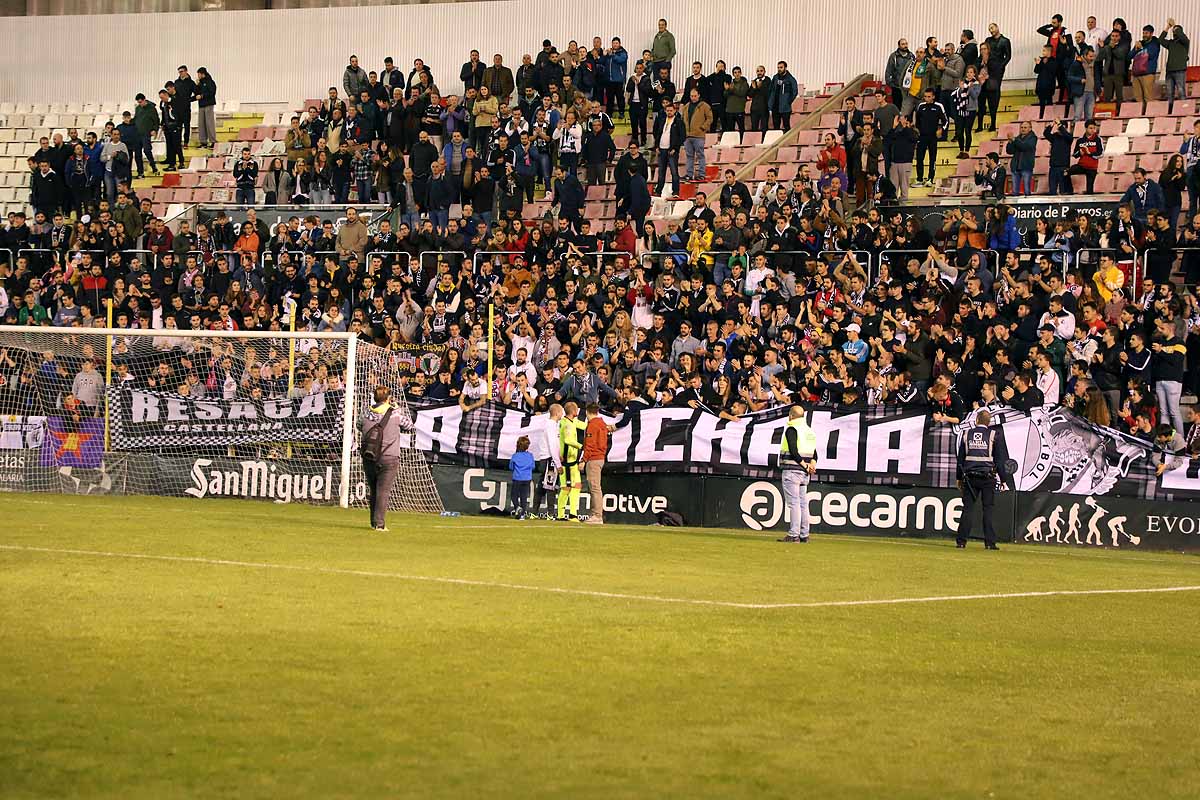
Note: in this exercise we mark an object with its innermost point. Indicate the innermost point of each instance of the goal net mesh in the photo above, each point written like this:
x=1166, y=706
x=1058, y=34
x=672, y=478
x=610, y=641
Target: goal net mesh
x=175, y=414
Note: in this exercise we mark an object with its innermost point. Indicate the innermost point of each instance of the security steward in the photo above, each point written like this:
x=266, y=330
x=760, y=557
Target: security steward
x=798, y=459
x=380, y=451
x=981, y=457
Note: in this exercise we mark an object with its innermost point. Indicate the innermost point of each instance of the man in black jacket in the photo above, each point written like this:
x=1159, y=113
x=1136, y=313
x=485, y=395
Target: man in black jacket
x=640, y=93
x=1060, y=138
x=598, y=150
x=185, y=91
x=930, y=118
x=731, y=187
x=631, y=162
x=172, y=129
x=471, y=73
x=569, y=194
x=669, y=136
x=899, y=149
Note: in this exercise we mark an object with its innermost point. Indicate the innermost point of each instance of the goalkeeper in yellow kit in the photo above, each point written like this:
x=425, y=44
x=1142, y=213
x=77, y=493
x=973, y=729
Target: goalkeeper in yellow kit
x=570, y=433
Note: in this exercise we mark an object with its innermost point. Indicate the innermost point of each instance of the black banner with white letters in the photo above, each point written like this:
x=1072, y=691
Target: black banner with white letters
x=141, y=418
x=863, y=446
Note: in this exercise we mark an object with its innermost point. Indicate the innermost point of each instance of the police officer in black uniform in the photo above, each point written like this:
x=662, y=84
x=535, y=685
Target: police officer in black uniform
x=981, y=456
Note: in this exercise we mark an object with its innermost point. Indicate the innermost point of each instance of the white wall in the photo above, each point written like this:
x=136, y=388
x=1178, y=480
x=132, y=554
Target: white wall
x=259, y=56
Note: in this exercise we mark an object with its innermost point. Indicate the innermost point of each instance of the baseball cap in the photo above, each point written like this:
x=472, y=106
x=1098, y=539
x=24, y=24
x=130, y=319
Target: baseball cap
x=854, y=327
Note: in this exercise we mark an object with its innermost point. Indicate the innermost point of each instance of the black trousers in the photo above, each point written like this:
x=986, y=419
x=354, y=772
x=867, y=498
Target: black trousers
x=185, y=125
x=758, y=121
x=637, y=122
x=781, y=120
x=174, y=148
x=977, y=487
x=735, y=120
x=1088, y=174
x=926, y=149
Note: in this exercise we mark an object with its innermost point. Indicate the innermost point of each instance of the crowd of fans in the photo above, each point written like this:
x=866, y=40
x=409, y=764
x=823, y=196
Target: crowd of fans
x=773, y=292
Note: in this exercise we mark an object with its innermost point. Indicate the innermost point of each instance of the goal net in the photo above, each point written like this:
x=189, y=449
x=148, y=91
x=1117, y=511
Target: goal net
x=196, y=414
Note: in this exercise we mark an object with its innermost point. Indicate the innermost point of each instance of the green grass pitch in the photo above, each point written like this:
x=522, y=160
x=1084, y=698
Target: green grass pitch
x=287, y=651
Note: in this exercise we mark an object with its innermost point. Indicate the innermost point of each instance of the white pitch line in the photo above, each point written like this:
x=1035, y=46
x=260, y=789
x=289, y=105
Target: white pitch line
x=591, y=593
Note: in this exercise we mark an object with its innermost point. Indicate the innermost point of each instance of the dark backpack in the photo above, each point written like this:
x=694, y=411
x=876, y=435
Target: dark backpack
x=670, y=519
x=371, y=447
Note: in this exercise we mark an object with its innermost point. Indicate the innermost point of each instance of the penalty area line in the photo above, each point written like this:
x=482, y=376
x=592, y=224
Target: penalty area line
x=649, y=598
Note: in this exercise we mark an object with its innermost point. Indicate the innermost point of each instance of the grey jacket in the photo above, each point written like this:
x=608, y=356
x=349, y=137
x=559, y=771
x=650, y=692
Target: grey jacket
x=390, y=450
x=354, y=80
x=955, y=67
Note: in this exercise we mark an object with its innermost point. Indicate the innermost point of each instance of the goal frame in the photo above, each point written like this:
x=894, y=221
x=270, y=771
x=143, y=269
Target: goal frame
x=350, y=339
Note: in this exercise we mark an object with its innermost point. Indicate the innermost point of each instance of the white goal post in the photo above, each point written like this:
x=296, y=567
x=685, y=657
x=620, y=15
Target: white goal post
x=269, y=414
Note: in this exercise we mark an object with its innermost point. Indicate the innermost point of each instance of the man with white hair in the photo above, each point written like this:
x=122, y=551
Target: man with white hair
x=798, y=459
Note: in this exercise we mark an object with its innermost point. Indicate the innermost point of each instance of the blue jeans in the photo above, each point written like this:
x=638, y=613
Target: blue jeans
x=693, y=149
x=440, y=217
x=541, y=164
x=110, y=187
x=341, y=193
x=1022, y=181
x=668, y=159
x=795, y=487
x=244, y=196
x=1177, y=85
x=1084, y=106
x=364, y=190
x=412, y=219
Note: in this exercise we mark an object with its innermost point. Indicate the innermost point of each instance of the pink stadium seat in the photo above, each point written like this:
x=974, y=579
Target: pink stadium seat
x=1041, y=166
x=1170, y=144
x=188, y=180
x=760, y=172
x=181, y=195
x=1111, y=127
x=1152, y=162
x=1165, y=125
x=711, y=139
x=1121, y=164
x=829, y=122
x=807, y=137
x=216, y=164
x=788, y=171
x=1131, y=109
x=1142, y=144
x=1079, y=183
x=1008, y=130
x=787, y=154
x=1156, y=108
x=1043, y=148
x=966, y=169
x=810, y=154
x=202, y=196
x=1186, y=108
x=752, y=138
x=621, y=140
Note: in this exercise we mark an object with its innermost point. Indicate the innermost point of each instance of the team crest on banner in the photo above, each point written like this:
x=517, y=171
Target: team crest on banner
x=1052, y=450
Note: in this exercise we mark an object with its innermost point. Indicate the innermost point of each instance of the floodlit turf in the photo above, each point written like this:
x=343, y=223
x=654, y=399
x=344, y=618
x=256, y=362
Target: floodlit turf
x=349, y=677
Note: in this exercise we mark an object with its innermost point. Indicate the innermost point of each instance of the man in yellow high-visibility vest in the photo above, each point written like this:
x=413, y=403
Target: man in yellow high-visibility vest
x=798, y=459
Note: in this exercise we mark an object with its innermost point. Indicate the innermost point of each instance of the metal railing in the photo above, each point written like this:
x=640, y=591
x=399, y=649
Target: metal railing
x=385, y=254
x=495, y=256
x=440, y=256
x=1178, y=254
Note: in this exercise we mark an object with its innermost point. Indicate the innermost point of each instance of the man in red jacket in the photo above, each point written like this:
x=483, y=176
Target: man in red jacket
x=595, y=449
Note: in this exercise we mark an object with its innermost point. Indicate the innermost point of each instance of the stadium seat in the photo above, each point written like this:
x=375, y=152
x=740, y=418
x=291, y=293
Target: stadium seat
x=1169, y=144
x=1117, y=146
x=771, y=137
x=1139, y=126
x=1165, y=125
x=1141, y=144
x=1153, y=162
x=1111, y=127
x=1123, y=164
x=730, y=139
